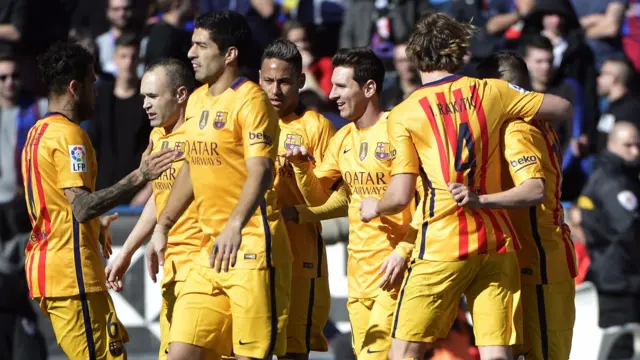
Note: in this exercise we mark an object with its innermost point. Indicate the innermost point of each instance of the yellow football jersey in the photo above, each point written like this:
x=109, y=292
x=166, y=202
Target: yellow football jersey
x=362, y=159
x=185, y=236
x=532, y=150
x=307, y=128
x=223, y=132
x=449, y=131
x=62, y=256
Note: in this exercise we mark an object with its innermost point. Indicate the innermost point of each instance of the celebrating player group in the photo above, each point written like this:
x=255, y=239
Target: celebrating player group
x=455, y=191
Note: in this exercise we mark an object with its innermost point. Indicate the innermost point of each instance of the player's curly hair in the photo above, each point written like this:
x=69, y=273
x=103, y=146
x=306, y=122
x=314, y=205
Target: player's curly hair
x=62, y=63
x=228, y=29
x=438, y=42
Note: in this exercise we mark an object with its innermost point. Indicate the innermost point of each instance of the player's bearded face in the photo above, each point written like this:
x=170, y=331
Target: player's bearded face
x=281, y=82
x=207, y=61
x=347, y=94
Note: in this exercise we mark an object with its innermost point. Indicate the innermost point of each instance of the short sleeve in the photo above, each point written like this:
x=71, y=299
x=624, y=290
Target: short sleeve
x=522, y=151
x=71, y=150
x=328, y=167
x=258, y=122
x=516, y=101
x=404, y=157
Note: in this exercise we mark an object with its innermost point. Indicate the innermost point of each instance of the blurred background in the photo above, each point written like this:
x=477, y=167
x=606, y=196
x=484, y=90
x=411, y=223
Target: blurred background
x=587, y=51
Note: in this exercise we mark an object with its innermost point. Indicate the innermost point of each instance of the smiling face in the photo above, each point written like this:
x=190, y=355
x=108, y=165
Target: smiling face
x=161, y=102
x=281, y=82
x=208, y=63
x=348, y=94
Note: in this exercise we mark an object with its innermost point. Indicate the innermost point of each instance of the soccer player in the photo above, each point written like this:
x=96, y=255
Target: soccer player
x=449, y=131
x=64, y=270
x=533, y=174
x=236, y=298
x=281, y=78
x=357, y=83
x=165, y=86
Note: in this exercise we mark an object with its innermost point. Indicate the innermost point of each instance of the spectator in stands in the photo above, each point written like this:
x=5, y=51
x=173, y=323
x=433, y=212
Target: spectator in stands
x=506, y=20
x=168, y=37
x=406, y=79
x=615, y=83
x=19, y=111
x=631, y=33
x=324, y=16
x=611, y=223
x=12, y=22
x=537, y=52
x=579, y=242
x=318, y=71
x=121, y=17
x=602, y=22
x=120, y=130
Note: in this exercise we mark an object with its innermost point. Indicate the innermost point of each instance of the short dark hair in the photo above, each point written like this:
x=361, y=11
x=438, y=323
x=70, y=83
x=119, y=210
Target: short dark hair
x=62, y=63
x=228, y=29
x=178, y=73
x=536, y=41
x=365, y=64
x=128, y=39
x=507, y=66
x=284, y=50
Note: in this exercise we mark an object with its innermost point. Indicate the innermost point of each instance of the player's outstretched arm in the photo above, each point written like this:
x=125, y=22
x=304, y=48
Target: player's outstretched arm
x=180, y=198
x=554, y=109
x=529, y=193
x=87, y=205
x=141, y=231
x=259, y=180
x=314, y=186
x=336, y=206
x=399, y=194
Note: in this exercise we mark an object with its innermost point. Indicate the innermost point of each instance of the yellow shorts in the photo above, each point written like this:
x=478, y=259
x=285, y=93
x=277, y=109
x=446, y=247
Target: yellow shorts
x=430, y=297
x=255, y=301
x=371, y=320
x=309, y=313
x=86, y=326
x=549, y=313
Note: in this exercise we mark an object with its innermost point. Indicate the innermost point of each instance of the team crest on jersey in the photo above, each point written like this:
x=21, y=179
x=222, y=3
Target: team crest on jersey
x=292, y=141
x=364, y=149
x=204, y=117
x=165, y=145
x=78, y=157
x=382, y=151
x=179, y=148
x=220, y=121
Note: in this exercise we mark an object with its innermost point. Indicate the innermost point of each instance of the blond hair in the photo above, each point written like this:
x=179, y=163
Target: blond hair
x=438, y=42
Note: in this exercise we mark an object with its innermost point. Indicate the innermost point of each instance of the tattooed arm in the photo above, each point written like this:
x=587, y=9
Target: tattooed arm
x=87, y=205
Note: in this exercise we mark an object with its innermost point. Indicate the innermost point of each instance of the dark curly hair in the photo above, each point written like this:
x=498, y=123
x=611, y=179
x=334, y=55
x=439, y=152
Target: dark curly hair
x=62, y=63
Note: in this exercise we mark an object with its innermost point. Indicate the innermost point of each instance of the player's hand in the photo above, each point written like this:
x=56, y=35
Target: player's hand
x=225, y=249
x=299, y=155
x=153, y=165
x=155, y=251
x=115, y=271
x=368, y=209
x=290, y=213
x=105, y=237
x=463, y=196
x=393, y=270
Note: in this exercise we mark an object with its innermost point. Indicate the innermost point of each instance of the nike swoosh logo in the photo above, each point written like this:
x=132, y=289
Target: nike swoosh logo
x=187, y=119
x=166, y=350
x=369, y=351
x=246, y=343
x=346, y=151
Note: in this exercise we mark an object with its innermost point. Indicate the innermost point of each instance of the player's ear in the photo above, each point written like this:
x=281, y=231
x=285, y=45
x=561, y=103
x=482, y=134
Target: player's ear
x=369, y=88
x=182, y=94
x=231, y=55
x=74, y=88
x=303, y=79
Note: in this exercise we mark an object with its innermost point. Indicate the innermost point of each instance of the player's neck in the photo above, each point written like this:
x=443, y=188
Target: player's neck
x=171, y=128
x=63, y=106
x=228, y=77
x=429, y=77
x=370, y=116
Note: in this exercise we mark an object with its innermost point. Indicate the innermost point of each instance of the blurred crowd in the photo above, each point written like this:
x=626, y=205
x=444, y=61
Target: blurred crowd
x=587, y=51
